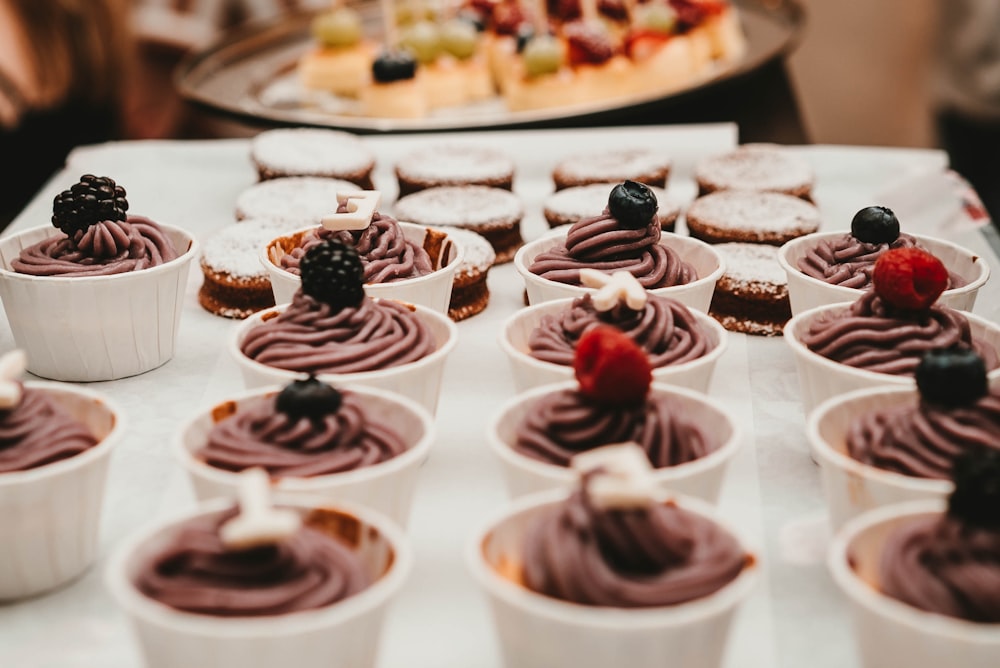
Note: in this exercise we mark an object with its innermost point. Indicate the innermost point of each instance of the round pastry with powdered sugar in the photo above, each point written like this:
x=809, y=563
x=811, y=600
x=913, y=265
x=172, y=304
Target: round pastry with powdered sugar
x=763, y=167
x=752, y=296
x=301, y=199
x=454, y=165
x=469, y=292
x=751, y=217
x=565, y=207
x=492, y=212
x=312, y=152
x=627, y=164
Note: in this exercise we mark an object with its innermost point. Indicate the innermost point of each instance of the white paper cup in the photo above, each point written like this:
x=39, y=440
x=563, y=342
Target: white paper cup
x=822, y=378
x=890, y=632
x=851, y=487
x=806, y=292
x=530, y=372
x=706, y=261
x=701, y=478
x=51, y=514
x=342, y=635
x=386, y=487
x=99, y=327
x=431, y=290
x=536, y=631
x=420, y=380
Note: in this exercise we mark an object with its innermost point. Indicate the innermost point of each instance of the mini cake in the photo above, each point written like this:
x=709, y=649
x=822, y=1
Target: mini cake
x=395, y=91
x=454, y=165
x=752, y=295
x=312, y=152
x=341, y=60
x=750, y=217
x=761, y=167
x=470, y=292
x=614, y=166
x=570, y=205
x=302, y=199
x=493, y=213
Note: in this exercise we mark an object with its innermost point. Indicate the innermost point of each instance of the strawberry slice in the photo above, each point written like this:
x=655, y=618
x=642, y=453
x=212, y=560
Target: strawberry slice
x=611, y=368
x=909, y=278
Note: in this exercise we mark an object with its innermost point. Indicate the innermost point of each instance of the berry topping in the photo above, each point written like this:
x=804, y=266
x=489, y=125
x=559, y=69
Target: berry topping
x=543, y=54
x=340, y=27
x=422, y=40
x=507, y=18
x=632, y=204
x=459, y=38
x=952, y=377
x=909, y=278
x=332, y=273
x=875, y=225
x=394, y=66
x=611, y=368
x=976, y=499
x=589, y=43
x=91, y=200
x=309, y=398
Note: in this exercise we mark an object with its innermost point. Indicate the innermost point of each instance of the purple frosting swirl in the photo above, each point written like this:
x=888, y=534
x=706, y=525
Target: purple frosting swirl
x=312, y=337
x=640, y=557
x=110, y=247
x=600, y=243
x=562, y=424
x=196, y=573
x=665, y=329
x=260, y=435
x=37, y=432
x=940, y=564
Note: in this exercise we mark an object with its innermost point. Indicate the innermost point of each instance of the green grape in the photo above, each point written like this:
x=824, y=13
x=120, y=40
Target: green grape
x=656, y=16
x=459, y=37
x=340, y=27
x=422, y=40
x=543, y=54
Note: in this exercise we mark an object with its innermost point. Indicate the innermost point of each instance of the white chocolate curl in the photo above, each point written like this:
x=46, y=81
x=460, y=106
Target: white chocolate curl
x=361, y=207
x=12, y=366
x=621, y=476
x=258, y=523
x=613, y=289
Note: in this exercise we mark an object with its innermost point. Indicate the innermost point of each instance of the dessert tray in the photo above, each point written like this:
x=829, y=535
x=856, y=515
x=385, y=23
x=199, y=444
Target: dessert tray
x=251, y=75
x=795, y=617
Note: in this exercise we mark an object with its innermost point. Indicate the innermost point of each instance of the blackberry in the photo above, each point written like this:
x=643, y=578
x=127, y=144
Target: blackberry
x=332, y=273
x=976, y=499
x=309, y=398
x=91, y=200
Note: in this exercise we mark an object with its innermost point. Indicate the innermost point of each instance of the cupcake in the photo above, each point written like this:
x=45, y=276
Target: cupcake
x=333, y=330
x=55, y=444
x=454, y=165
x=758, y=167
x=318, y=152
x=98, y=295
x=539, y=559
x=256, y=584
x=745, y=216
x=569, y=205
x=351, y=444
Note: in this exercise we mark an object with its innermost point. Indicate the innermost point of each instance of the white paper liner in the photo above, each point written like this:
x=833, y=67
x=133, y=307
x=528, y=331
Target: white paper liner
x=701, y=478
x=537, y=631
x=890, y=632
x=95, y=328
x=530, y=372
x=806, y=292
x=386, y=487
x=431, y=290
x=342, y=635
x=51, y=514
x=420, y=380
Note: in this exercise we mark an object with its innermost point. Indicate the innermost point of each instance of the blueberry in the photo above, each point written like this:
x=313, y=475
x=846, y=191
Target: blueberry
x=632, y=204
x=875, y=225
x=952, y=377
x=976, y=499
x=525, y=32
x=309, y=398
x=392, y=66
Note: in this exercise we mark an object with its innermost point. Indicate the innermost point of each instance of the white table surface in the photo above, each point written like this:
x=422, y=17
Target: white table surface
x=794, y=619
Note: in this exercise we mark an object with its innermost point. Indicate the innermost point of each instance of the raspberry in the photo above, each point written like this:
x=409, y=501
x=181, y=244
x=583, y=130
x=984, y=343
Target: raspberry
x=588, y=43
x=611, y=368
x=90, y=201
x=909, y=278
x=332, y=273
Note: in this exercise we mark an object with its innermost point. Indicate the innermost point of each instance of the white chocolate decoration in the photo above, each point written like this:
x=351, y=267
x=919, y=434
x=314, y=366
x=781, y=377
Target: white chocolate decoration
x=621, y=476
x=615, y=288
x=12, y=366
x=361, y=207
x=258, y=523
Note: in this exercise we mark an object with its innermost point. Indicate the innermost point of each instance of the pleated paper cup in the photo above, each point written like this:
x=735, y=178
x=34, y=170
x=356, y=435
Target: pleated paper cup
x=342, y=635
x=51, y=514
x=536, y=631
x=707, y=263
x=531, y=372
x=97, y=327
x=386, y=487
x=701, y=478
x=419, y=381
x=806, y=292
x=890, y=632
x=821, y=378
x=850, y=486
x=431, y=290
